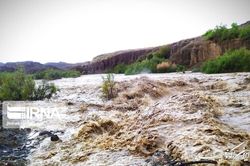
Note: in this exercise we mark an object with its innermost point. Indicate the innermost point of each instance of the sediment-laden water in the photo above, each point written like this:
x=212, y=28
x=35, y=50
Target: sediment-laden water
x=190, y=116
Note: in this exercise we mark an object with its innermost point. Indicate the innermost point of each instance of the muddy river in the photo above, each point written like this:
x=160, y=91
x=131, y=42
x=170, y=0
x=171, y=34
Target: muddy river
x=188, y=116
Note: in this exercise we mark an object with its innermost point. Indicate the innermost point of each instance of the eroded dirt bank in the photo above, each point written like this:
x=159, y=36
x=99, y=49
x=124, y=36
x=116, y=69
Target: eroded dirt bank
x=191, y=116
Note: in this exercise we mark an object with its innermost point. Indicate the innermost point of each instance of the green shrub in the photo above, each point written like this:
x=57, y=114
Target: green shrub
x=181, y=68
x=3, y=75
x=45, y=90
x=16, y=86
x=52, y=74
x=231, y=61
x=216, y=34
x=147, y=65
x=222, y=33
x=120, y=68
x=19, y=86
x=245, y=32
x=108, y=85
x=164, y=52
x=154, y=62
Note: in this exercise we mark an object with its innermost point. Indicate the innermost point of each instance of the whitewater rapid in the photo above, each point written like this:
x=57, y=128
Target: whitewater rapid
x=199, y=115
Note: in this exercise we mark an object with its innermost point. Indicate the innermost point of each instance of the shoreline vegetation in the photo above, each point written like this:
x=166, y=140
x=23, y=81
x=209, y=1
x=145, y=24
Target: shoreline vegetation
x=53, y=74
x=237, y=60
x=222, y=33
x=232, y=61
x=155, y=62
x=20, y=86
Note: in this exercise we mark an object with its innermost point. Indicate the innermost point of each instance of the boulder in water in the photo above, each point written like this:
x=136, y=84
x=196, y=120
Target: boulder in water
x=54, y=138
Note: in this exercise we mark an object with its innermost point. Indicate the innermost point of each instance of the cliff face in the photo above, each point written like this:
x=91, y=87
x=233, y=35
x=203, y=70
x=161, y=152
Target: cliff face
x=194, y=51
x=108, y=61
x=188, y=52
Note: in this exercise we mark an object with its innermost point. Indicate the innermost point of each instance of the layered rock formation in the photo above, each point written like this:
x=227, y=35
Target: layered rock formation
x=108, y=61
x=194, y=51
x=189, y=52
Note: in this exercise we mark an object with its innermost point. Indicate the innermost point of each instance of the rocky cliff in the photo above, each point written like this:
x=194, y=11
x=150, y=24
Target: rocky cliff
x=108, y=61
x=192, y=52
x=189, y=52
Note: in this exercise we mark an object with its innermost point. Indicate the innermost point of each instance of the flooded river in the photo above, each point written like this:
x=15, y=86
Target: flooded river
x=190, y=116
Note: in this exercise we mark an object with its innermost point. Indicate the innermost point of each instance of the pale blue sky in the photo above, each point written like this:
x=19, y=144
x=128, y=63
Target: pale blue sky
x=78, y=30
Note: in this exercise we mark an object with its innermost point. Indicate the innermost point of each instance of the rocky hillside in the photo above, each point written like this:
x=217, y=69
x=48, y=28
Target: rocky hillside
x=194, y=51
x=31, y=67
x=107, y=61
x=189, y=52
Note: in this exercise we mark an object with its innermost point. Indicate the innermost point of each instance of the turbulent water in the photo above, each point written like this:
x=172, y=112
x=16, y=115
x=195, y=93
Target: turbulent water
x=192, y=116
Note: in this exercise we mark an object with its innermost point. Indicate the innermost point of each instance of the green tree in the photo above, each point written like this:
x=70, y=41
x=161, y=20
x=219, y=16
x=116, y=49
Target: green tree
x=16, y=86
x=20, y=86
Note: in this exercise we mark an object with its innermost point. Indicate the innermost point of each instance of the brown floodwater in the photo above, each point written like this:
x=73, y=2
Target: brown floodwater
x=193, y=116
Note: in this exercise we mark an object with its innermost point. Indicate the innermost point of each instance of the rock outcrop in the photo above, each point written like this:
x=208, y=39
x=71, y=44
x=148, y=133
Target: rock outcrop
x=189, y=52
x=192, y=52
x=108, y=61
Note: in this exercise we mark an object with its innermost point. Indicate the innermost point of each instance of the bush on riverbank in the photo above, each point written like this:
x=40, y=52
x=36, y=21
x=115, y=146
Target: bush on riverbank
x=119, y=69
x=108, y=85
x=168, y=67
x=155, y=62
x=148, y=65
x=20, y=86
x=52, y=74
x=231, y=61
